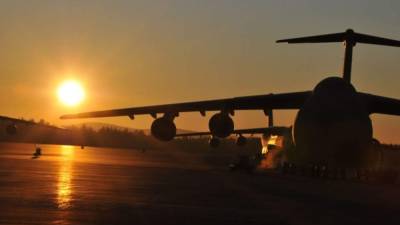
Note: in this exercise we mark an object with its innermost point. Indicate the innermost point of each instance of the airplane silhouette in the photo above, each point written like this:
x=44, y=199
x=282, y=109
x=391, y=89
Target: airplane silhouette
x=12, y=128
x=332, y=127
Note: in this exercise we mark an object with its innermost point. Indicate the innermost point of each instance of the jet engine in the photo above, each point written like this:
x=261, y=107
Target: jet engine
x=214, y=142
x=221, y=125
x=241, y=141
x=163, y=129
x=11, y=129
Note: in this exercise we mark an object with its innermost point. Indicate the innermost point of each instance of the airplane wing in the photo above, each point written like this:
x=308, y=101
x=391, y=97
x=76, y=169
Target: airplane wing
x=382, y=105
x=264, y=130
x=21, y=121
x=263, y=102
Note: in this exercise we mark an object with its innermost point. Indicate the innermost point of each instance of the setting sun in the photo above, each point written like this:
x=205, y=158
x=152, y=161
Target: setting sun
x=71, y=93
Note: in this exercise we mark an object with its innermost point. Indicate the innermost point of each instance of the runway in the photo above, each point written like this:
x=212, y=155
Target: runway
x=70, y=185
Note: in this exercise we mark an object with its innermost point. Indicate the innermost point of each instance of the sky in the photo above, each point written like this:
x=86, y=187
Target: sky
x=135, y=53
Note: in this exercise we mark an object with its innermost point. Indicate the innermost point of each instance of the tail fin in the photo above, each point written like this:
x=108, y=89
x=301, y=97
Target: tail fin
x=350, y=38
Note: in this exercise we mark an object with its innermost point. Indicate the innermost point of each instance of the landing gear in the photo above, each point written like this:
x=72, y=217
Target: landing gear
x=388, y=176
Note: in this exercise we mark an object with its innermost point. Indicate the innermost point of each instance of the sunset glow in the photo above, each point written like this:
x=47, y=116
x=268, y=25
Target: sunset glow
x=71, y=93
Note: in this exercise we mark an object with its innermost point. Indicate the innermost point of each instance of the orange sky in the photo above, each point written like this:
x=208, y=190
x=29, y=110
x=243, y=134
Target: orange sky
x=129, y=53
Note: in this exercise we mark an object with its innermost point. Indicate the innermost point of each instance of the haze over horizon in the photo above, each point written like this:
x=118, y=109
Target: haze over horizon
x=138, y=53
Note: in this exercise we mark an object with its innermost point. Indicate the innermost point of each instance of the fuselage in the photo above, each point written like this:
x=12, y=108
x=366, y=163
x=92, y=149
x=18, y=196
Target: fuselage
x=333, y=127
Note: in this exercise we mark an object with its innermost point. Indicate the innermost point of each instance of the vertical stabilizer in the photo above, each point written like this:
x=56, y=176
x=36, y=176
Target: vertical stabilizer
x=349, y=38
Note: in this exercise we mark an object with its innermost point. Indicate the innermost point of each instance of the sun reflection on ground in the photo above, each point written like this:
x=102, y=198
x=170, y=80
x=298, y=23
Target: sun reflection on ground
x=67, y=152
x=64, y=187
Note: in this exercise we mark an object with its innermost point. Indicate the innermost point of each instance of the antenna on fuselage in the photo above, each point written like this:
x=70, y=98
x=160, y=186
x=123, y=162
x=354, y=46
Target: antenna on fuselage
x=349, y=38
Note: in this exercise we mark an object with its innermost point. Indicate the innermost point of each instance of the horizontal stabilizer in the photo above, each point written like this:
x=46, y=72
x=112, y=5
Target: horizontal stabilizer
x=338, y=37
x=348, y=36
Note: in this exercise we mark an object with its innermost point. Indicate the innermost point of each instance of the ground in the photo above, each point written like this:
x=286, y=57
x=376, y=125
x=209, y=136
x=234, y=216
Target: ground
x=70, y=185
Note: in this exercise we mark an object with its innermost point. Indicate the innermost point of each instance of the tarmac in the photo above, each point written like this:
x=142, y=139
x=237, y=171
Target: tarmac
x=70, y=185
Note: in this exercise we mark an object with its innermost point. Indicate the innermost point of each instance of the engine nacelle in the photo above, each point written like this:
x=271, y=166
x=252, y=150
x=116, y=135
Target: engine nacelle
x=163, y=129
x=241, y=141
x=221, y=125
x=11, y=129
x=214, y=142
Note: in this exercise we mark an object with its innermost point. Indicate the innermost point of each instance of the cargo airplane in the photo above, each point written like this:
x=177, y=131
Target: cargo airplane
x=11, y=127
x=332, y=127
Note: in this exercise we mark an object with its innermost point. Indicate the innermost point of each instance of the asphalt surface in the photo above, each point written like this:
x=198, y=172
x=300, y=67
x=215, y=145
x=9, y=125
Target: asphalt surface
x=69, y=185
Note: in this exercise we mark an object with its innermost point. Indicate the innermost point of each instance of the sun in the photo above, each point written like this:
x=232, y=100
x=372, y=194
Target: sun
x=71, y=93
